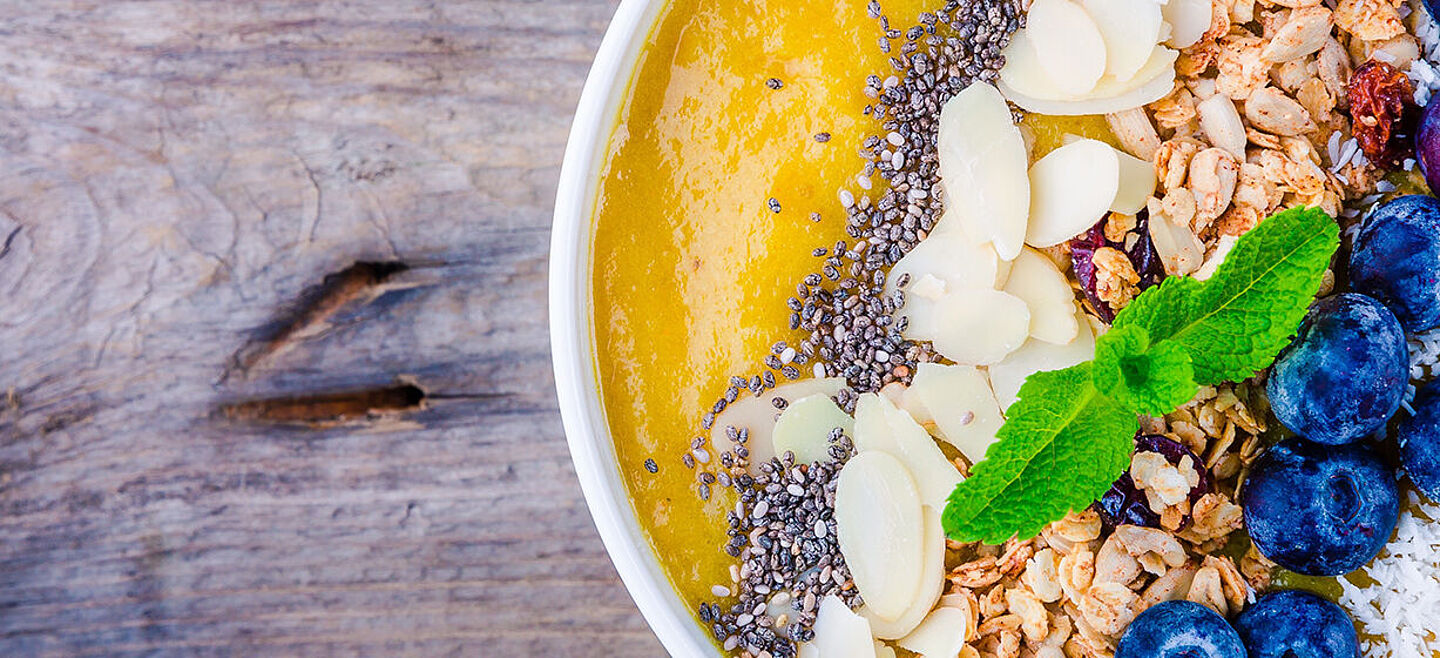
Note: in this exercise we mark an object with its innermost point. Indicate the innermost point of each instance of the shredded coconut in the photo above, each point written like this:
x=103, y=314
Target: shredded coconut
x=1422, y=71
x=1400, y=609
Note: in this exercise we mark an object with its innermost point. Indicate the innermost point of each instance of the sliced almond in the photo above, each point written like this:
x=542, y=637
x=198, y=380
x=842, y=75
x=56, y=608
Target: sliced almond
x=1137, y=184
x=1135, y=131
x=759, y=415
x=1188, y=20
x=839, y=633
x=1222, y=249
x=1155, y=80
x=1304, y=33
x=880, y=528
x=1180, y=251
x=1068, y=44
x=804, y=428
x=971, y=326
x=879, y=426
x=1007, y=376
x=941, y=634
x=947, y=259
x=1023, y=74
x=1035, y=279
x=1131, y=28
x=1072, y=187
x=966, y=412
x=931, y=585
x=982, y=166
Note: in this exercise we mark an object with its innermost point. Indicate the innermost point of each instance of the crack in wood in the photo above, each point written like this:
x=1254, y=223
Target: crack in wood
x=9, y=240
x=325, y=410
x=362, y=282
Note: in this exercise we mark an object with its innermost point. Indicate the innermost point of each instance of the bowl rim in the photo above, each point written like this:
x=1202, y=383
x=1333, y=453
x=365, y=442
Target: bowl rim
x=572, y=335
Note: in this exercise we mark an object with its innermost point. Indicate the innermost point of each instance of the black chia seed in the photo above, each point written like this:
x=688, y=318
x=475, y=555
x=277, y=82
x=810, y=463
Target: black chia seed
x=848, y=317
x=651, y=466
x=782, y=529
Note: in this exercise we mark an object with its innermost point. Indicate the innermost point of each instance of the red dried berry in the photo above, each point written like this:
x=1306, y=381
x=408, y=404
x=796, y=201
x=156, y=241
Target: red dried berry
x=1141, y=252
x=1383, y=113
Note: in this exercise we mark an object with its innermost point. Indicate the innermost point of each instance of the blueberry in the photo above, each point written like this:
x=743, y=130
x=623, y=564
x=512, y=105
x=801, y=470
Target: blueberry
x=1320, y=510
x=1296, y=624
x=1345, y=374
x=1427, y=134
x=1419, y=438
x=1397, y=259
x=1125, y=504
x=1180, y=629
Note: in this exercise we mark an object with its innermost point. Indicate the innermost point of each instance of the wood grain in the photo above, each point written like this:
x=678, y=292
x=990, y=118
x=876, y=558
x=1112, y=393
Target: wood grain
x=208, y=447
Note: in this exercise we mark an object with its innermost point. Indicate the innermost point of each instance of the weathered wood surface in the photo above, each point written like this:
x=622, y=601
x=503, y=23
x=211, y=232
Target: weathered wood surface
x=178, y=178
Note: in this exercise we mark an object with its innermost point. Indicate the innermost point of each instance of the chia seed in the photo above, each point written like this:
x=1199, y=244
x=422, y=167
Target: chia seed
x=651, y=466
x=779, y=530
x=788, y=559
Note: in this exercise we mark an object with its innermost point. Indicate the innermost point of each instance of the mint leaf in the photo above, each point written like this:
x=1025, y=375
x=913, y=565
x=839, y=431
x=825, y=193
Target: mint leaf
x=1235, y=324
x=1149, y=379
x=1162, y=310
x=1062, y=447
x=1071, y=432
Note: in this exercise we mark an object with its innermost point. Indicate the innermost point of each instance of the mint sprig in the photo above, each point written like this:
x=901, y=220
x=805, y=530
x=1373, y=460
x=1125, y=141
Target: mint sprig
x=1235, y=324
x=1062, y=438
x=1071, y=433
x=1145, y=378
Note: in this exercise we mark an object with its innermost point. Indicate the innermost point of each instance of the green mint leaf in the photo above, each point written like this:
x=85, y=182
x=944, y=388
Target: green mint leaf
x=1062, y=447
x=1071, y=432
x=1150, y=379
x=1234, y=324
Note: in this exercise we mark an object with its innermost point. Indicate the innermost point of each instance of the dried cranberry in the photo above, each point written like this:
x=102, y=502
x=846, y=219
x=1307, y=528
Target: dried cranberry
x=1383, y=112
x=1141, y=253
x=1174, y=453
x=1125, y=504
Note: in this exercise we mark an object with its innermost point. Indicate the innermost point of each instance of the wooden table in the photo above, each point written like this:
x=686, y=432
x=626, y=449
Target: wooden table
x=274, y=368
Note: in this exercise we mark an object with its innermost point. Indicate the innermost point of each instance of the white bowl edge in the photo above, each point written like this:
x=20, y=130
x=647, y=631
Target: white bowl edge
x=572, y=336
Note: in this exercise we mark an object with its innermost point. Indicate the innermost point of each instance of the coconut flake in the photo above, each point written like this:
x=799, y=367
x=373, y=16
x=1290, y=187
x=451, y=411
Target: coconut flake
x=1399, y=609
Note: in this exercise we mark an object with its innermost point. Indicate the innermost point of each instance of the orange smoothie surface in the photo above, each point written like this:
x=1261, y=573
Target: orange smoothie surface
x=692, y=266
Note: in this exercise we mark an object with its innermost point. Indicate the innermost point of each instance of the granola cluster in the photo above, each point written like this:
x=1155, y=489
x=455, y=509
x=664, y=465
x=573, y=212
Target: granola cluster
x=1256, y=123
x=1072, y=591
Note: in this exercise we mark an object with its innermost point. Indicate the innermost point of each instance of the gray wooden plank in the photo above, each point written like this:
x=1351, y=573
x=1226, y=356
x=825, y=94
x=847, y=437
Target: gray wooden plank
x=176, y=176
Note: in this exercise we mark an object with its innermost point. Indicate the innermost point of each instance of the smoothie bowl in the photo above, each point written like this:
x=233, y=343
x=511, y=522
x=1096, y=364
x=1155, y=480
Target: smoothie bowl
x=1048, y=328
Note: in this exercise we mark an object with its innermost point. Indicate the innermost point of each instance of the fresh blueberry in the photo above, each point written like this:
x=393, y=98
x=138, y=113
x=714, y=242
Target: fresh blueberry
x=1126, y=504
x=1397, y=259
x=1419, y=438
x=1345, y=374
x=1180, y=629
x=1296, y=624
x=1427, y=134
x=1320, y=510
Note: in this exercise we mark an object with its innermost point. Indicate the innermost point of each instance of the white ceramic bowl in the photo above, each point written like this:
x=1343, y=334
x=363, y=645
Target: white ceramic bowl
x=572, y=334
